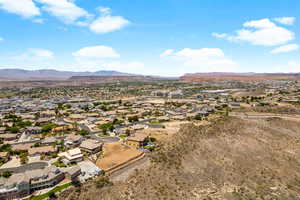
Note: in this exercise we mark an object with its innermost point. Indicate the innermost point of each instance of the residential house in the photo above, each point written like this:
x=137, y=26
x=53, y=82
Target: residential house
x=42, y=121
x=44, y=150
x=2, y=130
x=9, y=136
x=77, y=117
x=234, y=105
x=176, y=94
x=73, y=140
x=139, y=126
x=91, y=146
x=48, y=114
x=137, y=140
x=29, y=117
x=72, y=173
x=64, y=128
x=33, y=130
x=71, y=156
x=48, y=141
x=22, y=147
x=20, y=185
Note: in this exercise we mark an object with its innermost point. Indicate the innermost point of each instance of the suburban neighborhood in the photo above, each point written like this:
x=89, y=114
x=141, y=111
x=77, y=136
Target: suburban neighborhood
x=51, y=138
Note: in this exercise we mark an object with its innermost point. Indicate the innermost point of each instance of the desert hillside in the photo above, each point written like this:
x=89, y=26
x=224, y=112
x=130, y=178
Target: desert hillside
x=230, y=159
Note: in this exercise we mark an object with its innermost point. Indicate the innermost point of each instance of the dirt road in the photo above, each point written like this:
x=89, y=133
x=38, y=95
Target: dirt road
x=124, y=173
x=252, y=115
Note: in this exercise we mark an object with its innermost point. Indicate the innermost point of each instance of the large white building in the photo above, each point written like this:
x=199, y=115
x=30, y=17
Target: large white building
x=71, y=156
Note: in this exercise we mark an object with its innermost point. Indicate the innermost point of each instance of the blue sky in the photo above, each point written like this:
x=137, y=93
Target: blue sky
x=158, y=37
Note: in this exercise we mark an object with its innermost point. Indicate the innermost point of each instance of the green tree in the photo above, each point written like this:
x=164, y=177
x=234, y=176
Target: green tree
x=107, y=127
x=83, y=132
x=23, y=157
x=52, y=195
x=14, y=129
x=5, y=148
x=198, y=117
x=23, y=124
x=48, y=127
x=7, y=174
x=133, y=119
x=60, y=105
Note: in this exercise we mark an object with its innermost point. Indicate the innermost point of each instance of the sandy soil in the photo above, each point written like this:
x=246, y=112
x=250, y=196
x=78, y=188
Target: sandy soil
x=163, y=134
x=156, y=101
x=116, y=154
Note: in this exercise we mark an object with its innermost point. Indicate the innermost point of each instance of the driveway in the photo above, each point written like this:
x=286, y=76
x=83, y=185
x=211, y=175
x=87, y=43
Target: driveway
x=14, y=162
x=33, y=159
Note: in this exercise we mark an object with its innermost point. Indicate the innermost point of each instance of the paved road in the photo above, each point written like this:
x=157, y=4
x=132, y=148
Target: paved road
x=124, y=173
x=106, y=140
x=27, y=167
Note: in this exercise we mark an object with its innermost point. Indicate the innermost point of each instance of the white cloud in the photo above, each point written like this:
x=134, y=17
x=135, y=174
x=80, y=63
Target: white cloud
x=66, y=10
x=96, y=52
x=95, y=58
x=167, y=52
x=204, y=60
x=134, y=67
x=285, y=48
x=107, y=23
x=285, y=20
x=131, y=67
x=104, y=10
x=35, y=54
x=290, y=67
x=1, y=39
x=261, y=32
x=41, y=53
x=219, y=35
x=38, y=20
x=200, y=53
x=263, y=23
x=24, y=8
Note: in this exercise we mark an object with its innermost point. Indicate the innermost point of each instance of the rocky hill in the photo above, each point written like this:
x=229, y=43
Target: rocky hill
x=230, y=159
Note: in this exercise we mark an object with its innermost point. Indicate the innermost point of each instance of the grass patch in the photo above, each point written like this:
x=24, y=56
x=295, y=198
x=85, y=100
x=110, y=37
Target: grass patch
x=46, y=195
x=122, y=136
x=59, y=163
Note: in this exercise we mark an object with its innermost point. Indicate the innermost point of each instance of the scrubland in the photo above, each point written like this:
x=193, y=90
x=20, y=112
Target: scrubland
x=229, y=159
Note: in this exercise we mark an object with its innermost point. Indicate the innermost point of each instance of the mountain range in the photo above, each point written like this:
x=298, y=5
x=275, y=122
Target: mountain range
x=50, y=74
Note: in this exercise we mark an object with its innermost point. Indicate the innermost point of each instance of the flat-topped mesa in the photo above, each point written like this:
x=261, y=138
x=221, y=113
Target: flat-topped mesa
x=244, y=77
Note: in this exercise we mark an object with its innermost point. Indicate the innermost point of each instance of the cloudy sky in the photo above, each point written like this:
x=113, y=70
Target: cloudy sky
x=157, y=37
